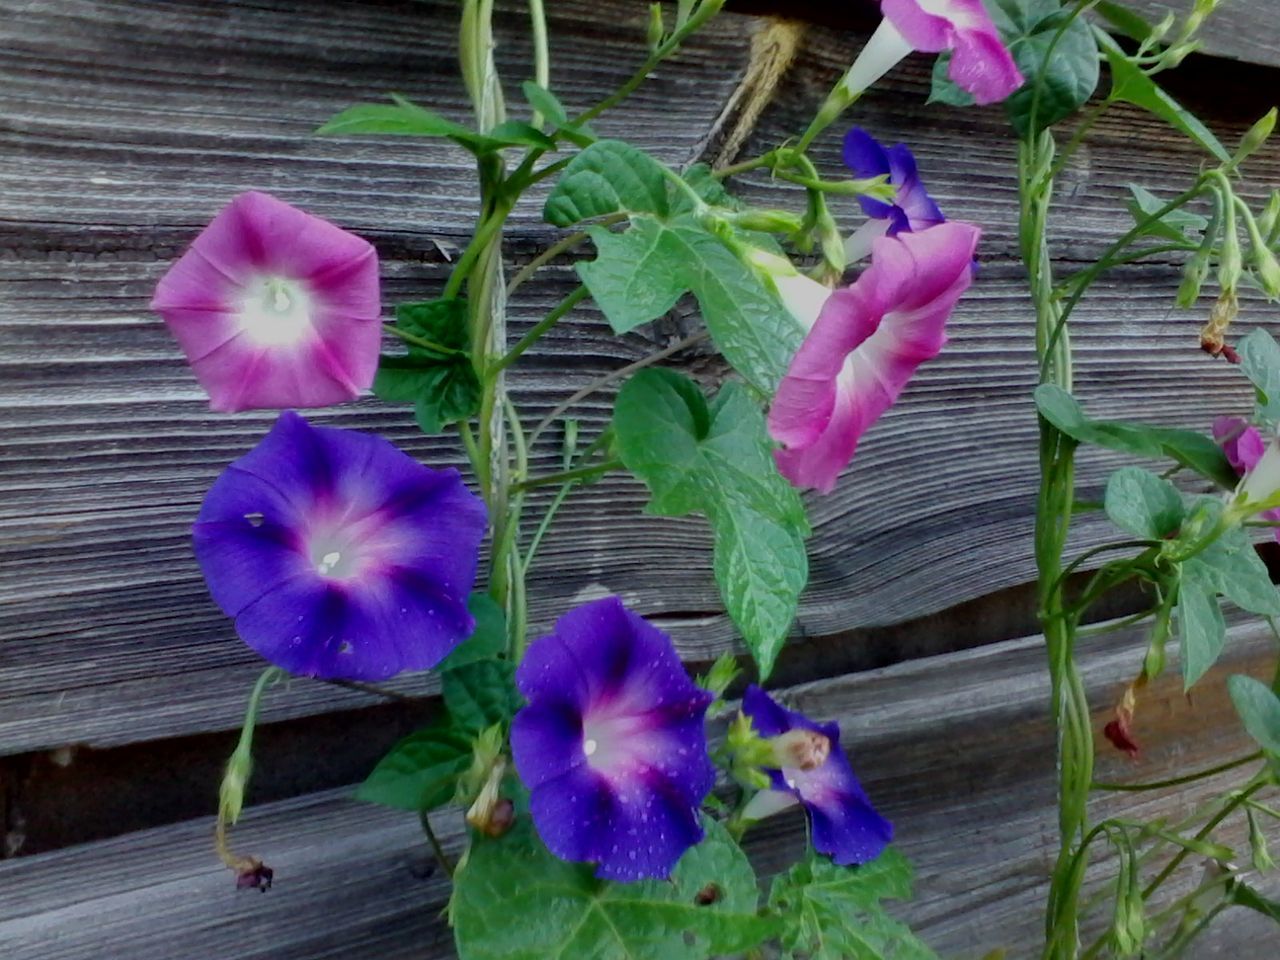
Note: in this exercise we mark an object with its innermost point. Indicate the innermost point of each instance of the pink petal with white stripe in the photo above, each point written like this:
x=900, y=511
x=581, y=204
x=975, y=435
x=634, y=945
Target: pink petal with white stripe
x=867, y=343
x=275, y=308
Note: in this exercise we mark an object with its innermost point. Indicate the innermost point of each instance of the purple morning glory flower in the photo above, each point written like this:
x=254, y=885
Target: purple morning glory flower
x=912, y=208
x=611, y=744
x=338, y=555
x=842, y=821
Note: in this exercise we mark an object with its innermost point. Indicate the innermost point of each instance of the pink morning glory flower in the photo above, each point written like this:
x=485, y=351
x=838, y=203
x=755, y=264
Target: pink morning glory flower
x=275, y=308
x=866, y=344
x=912, y=209
x=338, y=555
x=1242, y=443
x=980, y=62
x=611, y=744
x=842, y=822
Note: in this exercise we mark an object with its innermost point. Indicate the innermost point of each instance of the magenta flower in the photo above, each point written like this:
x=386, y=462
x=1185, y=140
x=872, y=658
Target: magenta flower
x=980, y=62
x=866, y=344
x=842, y=822
x=1242, y=443
x=338, y=555
x=912, y=208
x=611, y=744
x=275, y=308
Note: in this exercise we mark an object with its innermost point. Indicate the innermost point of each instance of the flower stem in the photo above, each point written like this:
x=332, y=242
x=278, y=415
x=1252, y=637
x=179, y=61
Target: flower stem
x=442, y=858
x=579, y=294
x=565, y=476
x=1179, y=781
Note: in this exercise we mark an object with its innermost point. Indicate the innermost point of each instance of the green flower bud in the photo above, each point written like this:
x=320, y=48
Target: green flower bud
x=767, y=221
x=1270, y=215
x=657, y=29
x=722, y=673
x=1260, y=855
x=234, y=782
x=1268, y=271
x=1193, y=277
x=1256, y=136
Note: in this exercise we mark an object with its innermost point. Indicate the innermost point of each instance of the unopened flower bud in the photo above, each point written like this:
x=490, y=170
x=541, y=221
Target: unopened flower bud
x=1270, y=215
x=722, y=673
x=767, y=221
x=492, y=814
x=1256, y=136
x=800, y=749
x=234, y=782
x=657, y=29
x=1268, y=270
x=1193, y=276
x=1260, y=855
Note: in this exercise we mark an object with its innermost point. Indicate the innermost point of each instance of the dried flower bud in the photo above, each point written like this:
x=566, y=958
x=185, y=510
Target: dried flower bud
x=253, y=874
x=492, y=814
x=1213, y=337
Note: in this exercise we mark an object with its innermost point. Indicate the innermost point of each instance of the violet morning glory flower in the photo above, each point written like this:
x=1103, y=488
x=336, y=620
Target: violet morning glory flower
x=275, y=308
x=338, y=555
x=866, y=344
x=912, y=209
x=980, y=62
x=842, y=821
x=611, y=744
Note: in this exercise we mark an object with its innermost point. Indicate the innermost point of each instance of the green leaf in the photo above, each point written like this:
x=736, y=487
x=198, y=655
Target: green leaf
x=1143, y=504
x=638, y=275
x=1259, y=709
x=1123, y=20
x=1193, y=450
x=1232, y=566
x=1066, y=65
x=1243, y=895
x=1202, y=629
x=547, y=104
x=717, y=460
x=564, y=913
x=835, y=913
x=607, y=177
x=420, y=771
x=1130, y=84
x=480, y=694
x=404, y=118
x=440, y=383
x=1175, y=225
x=1260, y=362
x=489, y=639
x=401, y=118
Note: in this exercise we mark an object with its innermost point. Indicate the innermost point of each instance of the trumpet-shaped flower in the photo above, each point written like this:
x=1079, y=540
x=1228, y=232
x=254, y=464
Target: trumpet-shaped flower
x=842, y=821
x=980, y=62
x=611, y=744
x=1242, y=443
x=338, y=555
x=275, y=308
x=866, y=344
x=912, y=209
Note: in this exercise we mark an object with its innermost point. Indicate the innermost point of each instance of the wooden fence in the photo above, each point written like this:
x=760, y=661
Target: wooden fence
x=125, y=124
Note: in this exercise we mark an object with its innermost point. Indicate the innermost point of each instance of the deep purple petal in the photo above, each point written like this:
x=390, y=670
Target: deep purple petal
x=612, y=742
x=340, y=556
x=867, y=158
x=844, y=824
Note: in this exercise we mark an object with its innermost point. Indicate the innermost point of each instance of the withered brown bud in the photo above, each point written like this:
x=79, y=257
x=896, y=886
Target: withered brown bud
x=501, y=817
x=254, y=875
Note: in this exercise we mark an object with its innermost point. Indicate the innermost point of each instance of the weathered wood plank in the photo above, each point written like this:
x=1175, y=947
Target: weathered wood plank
x=106, y=448
x=957, y=750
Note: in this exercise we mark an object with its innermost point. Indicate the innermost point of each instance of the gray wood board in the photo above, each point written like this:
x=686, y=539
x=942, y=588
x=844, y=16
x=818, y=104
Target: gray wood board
x=957, y=750
x=125, y=130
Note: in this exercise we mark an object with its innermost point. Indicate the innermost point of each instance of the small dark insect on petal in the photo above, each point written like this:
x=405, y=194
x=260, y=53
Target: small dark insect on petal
x=707, y=895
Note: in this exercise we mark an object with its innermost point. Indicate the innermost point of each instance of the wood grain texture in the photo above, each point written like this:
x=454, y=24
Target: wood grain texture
x=957, y=750
x=123, y=131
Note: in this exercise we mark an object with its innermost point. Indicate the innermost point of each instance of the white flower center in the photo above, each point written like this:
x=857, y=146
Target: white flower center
x=589, y=747
x=333, y=556
x=275, y=310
